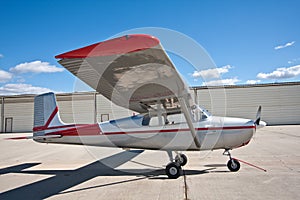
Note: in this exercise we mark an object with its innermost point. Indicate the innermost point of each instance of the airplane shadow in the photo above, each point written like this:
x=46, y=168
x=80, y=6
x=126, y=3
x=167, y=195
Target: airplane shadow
x=65, y=179
x=216, y=165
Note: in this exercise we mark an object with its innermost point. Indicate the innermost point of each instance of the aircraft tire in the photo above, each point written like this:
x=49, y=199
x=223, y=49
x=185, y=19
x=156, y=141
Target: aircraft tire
x=173, y=170
x=233, y=165
x=181, y=161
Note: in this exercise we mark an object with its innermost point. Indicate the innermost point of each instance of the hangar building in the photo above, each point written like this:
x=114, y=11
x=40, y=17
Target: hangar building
x=280, y=105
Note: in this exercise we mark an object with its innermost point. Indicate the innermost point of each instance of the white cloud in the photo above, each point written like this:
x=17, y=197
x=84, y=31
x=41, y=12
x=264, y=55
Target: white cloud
x=281, y=73
x=5, y=76
x=35, y=67
x=252, y=81
x=211, y=73
x=1, y=55
x=230, y=81
x=295, y=60
x=285, y=45
x=15, y=89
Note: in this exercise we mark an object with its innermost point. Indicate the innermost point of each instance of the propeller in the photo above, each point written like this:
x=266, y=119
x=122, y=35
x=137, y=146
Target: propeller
x=258, y=114
x=259, y=123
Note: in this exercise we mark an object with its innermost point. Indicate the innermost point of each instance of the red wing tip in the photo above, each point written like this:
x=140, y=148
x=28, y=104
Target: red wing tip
x=115, y=46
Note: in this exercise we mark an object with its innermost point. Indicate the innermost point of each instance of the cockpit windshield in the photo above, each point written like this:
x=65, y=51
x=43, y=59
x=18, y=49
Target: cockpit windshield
x=199, y=113
x=154, y=119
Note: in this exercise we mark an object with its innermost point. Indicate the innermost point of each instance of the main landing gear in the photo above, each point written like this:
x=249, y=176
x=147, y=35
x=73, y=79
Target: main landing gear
x=173, y=169
x=233, y=164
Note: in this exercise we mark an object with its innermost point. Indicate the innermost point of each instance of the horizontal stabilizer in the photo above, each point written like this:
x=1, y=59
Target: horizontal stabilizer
x=42, y=137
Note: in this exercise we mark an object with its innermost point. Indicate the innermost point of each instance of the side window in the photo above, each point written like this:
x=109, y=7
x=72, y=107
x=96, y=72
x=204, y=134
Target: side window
x=146, y=120
x=176, y=119
x=154, y=121
x=200, y=114
x=172, y=119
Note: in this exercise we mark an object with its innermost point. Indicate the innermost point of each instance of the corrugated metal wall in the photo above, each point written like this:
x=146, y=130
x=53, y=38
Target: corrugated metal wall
x=88, y=108
x=280, y=104
x=76, y=108
x=18, y=111
x=108, y=110
x=1, y=115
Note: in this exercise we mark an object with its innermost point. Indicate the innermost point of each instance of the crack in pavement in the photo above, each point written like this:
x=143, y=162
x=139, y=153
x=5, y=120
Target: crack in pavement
x=185, y=186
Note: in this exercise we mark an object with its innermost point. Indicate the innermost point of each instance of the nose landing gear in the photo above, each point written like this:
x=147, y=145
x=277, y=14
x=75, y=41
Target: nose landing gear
x=233, y=164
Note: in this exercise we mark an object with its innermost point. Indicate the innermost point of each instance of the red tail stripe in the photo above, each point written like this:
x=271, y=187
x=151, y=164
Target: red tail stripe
x=52, y=116
x=41, y=128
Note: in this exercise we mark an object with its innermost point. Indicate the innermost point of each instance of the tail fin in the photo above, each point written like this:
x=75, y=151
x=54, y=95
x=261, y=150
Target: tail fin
x=45, y=114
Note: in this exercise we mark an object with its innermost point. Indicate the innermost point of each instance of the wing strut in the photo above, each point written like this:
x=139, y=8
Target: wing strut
x=189, y=120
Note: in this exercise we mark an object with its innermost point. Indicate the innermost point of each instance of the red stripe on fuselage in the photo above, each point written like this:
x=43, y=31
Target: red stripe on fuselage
x=181, y=130
x=94, y=129
x=77, y=130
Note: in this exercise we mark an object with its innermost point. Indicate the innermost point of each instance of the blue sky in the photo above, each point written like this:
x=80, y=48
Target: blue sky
x=249, y=41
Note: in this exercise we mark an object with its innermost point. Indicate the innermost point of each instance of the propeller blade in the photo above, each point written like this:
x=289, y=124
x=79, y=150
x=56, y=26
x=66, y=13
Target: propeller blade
x=257, y=120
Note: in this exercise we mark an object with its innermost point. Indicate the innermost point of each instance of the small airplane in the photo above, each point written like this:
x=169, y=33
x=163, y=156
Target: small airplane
x=134, y=71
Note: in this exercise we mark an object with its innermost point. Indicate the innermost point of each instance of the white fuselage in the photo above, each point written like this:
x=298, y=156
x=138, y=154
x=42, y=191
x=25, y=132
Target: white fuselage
x=212, y=133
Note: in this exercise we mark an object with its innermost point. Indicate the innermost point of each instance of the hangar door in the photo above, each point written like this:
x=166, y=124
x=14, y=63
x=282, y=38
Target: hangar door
x=8, y=124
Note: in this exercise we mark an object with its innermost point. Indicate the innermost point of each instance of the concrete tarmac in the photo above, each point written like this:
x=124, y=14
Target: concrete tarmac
x=30, y=170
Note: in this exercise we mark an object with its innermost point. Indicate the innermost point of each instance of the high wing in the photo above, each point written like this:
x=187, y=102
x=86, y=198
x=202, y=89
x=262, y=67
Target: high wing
x=132, y=71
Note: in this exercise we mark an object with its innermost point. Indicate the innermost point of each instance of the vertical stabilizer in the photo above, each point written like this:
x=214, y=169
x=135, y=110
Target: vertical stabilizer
x=45, y=114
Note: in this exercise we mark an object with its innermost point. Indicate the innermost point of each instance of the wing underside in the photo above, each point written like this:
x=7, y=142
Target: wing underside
x=134, y=72
x=136, y=75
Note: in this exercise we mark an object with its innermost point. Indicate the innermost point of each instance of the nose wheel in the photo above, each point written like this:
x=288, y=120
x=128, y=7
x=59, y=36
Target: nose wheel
x=232, y=164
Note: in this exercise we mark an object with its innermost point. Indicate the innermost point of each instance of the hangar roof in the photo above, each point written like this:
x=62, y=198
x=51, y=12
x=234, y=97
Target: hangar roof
x=246, y=85
x=192, y=88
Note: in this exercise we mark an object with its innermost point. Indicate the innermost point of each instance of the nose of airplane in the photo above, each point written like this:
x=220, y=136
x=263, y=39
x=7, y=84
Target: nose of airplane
x=261, y=124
